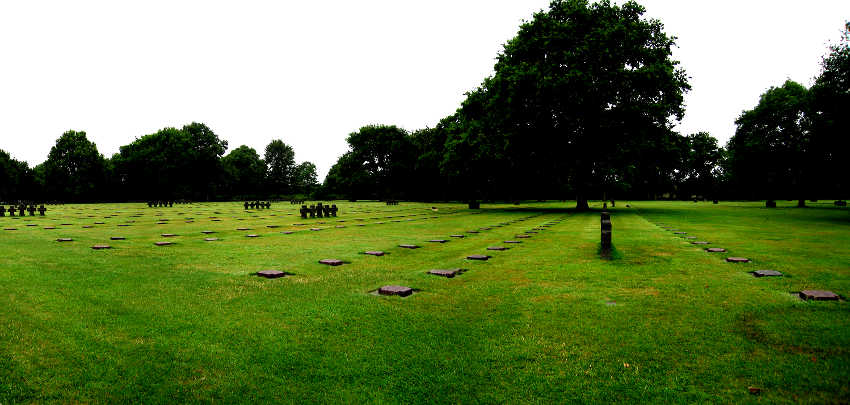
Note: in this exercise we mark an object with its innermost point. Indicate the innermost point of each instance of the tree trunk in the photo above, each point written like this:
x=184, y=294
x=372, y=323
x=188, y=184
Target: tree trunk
x=581, y=203
x=801, y=203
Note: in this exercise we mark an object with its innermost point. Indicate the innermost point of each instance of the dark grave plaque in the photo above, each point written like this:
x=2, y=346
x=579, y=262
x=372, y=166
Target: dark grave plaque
x=818, y=295
x=522, y=236
x=399, y=290
x=457, y=236
x=512, y=241
x=478, y=257
x=737, y=260
x=10, y=229
x=767, y=273
x=87, y=226
x=701, y=242
x=287, y=232
x=272, y=273
x=409, y=246
x=374, y=253
x=243, y=229
x=117, y=238
x=715, y=250
x=207, y=232
x=123, y=225
x=331, y=262
x=471, y=231
x=101, y=247
x=49, y=227
x=445, y=273
x=272, y=226
x=168, y=235
x=498, y=248
x=438, y=241
x=530, y=232
x=64, y=240
x=30, y=224
x=315, y=229
x=680, y=233
x=100, y=223
x=163, y=243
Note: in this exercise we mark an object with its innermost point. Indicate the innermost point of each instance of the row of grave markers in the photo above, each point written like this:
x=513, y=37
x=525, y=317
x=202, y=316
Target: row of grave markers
x=404, y=291
x=257, y=204
x=818, y=295
x=319, y=211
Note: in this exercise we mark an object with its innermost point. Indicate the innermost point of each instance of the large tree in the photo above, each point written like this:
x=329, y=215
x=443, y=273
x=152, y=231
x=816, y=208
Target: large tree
x=575, y=97
x=305, y=178
x=770, y=153
x=378, y=164
x=700, y=165
x=830, y=118
x=171, y=163
x=280, y=163
x=16, y=179
x=245, y=172
x=74, y=169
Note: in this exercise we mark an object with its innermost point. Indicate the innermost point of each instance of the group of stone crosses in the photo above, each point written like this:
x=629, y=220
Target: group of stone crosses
x=392, y=202
x=257, y=204
x=160, y=203
x=319, y=211
x=22, y=209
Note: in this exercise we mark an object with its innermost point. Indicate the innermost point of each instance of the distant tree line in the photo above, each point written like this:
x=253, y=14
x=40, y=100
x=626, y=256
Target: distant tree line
x=170, y=164
x=582, y=105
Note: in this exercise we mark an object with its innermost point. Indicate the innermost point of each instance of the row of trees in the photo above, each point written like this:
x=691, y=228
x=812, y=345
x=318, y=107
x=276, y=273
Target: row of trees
x=172, y=163
x=794, y=142
x=582, y=103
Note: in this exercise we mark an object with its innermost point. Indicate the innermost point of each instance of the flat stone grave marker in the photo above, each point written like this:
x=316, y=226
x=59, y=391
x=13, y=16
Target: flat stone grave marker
x=243, y=229
x=818, y=295
x=680, y=233
x=287, y=232
x=315, y=229
x=438, y=241
x=87, y=226
x=252, y=236
x=64, y=240
x=522, y=236
x=498, y=248
x=331, y=262
x=701, y=242
x=450, y=273
x=210, y=239
x=690, y=237
x=168, y=235
x=715, y=250
x=767, y=273
x=99, y=223
x=512, y=241
x=49, y=227
x=207, y=232
x=30, y=224
x=457, y=236
x=117, y=238
x=374, y=253
x=272, y=273
x=478, y=257
x=340, y=226
x=272, y=226
x=101, y=247
x=10, y=229
x=399, y=290
x=472, y=232
x=409, y=246
x=737, y=260
x=163, y=243
x=123, y=225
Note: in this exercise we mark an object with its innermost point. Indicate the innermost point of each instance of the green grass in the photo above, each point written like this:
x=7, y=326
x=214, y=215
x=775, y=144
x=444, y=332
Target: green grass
x=546, y=321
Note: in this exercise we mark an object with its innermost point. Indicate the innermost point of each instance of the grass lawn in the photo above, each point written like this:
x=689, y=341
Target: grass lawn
x=546, y=321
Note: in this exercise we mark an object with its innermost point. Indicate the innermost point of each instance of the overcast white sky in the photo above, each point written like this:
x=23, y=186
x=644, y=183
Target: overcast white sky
x=312, y=72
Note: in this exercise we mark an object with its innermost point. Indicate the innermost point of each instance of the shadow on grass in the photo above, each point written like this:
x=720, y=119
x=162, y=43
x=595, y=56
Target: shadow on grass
x=610, y=254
